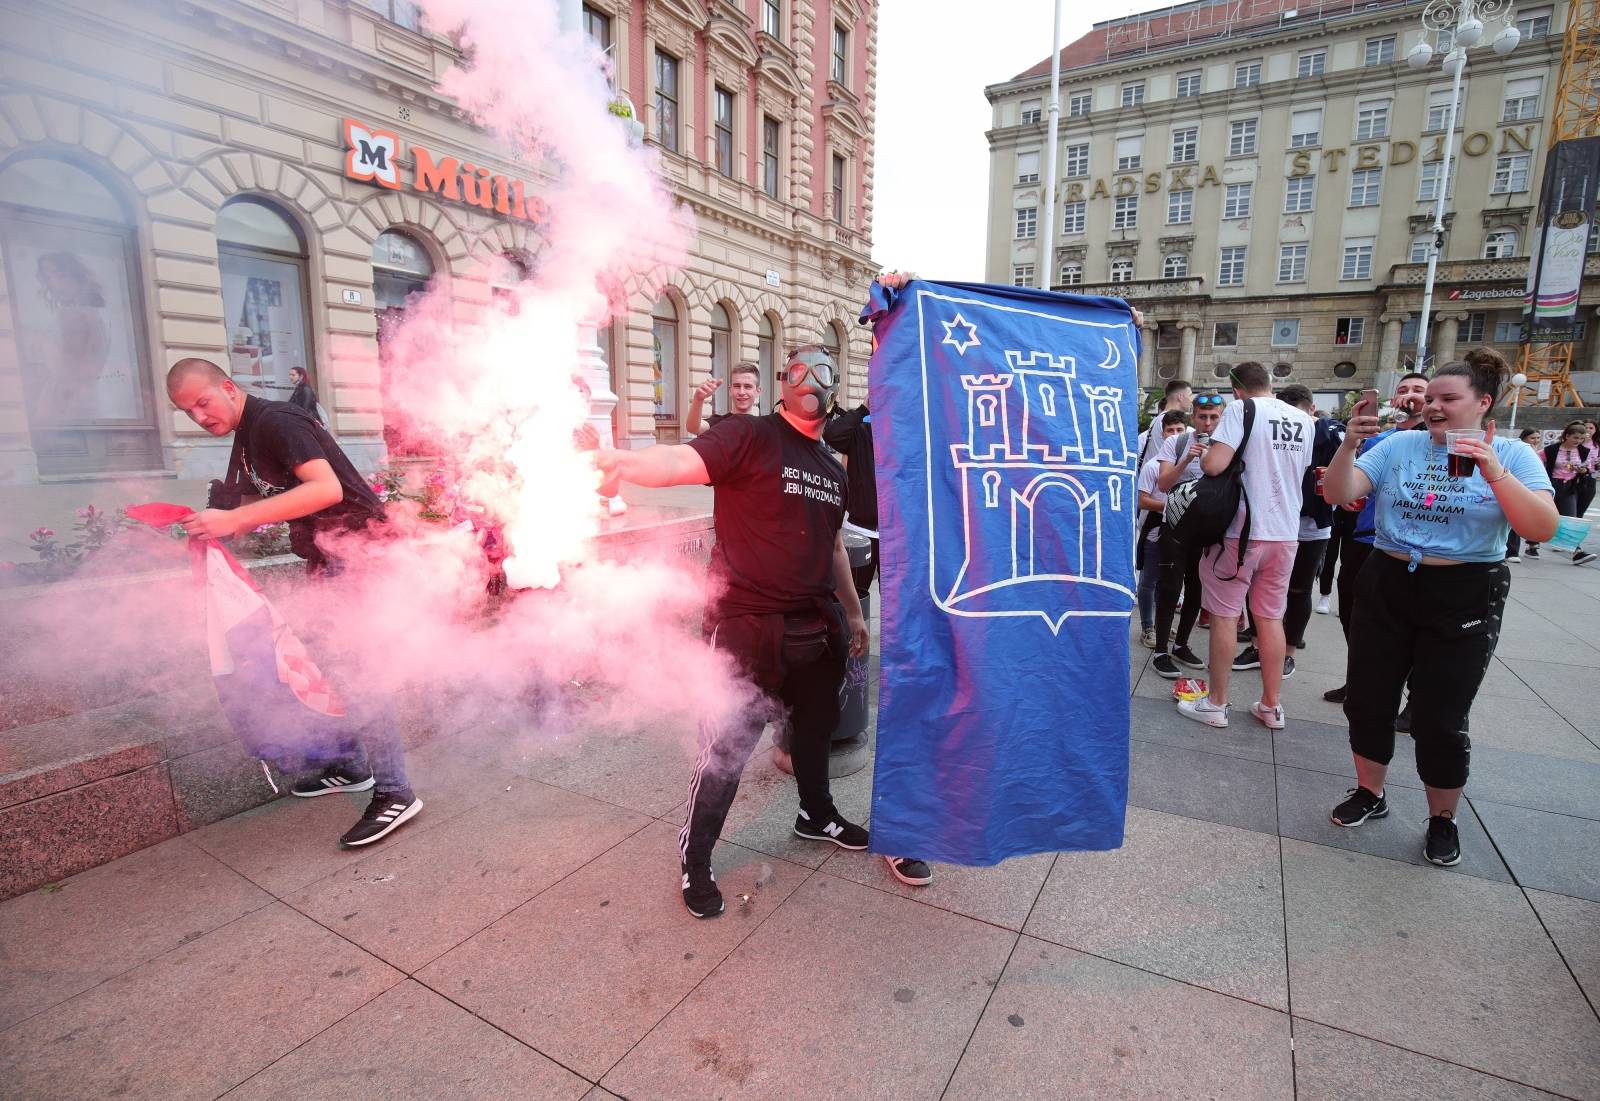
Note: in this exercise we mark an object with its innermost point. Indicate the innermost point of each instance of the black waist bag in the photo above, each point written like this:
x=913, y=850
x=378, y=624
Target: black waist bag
x=1198, y=513
x=805, y=638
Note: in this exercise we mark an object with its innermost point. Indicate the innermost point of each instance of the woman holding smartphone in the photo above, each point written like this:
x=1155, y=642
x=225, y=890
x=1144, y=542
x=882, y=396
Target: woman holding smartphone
x=1430, y=599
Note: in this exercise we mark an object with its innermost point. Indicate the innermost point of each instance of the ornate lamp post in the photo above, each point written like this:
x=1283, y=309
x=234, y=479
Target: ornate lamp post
x=1465, y=20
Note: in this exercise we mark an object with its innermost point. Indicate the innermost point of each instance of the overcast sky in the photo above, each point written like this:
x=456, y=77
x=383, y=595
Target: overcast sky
x=931, y=182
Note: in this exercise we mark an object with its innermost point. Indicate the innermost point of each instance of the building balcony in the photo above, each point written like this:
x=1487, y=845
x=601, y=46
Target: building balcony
x=1510, y=270
x=1141, y=289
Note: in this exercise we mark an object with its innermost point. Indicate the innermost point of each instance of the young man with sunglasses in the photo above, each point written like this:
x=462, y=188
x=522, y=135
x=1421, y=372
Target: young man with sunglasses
x=778, y=564
x=1179, y=460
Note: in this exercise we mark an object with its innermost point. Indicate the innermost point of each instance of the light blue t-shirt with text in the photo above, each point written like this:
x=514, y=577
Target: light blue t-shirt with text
x=1422, y=511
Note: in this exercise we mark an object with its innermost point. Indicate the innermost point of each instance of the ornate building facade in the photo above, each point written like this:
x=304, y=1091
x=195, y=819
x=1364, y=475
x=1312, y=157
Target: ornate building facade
x=1258, y=176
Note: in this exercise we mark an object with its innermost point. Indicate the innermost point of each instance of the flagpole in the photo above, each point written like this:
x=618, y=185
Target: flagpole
x=1048, y=237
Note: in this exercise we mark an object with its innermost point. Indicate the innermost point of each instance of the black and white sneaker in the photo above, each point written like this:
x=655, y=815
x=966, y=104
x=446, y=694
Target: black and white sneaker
x=1583, y=557
x=1288, y=668
x=1249, y=658
x=331, y=779
x=1185, y=656
x=1532, y=551
x=1361, y=806
x=1443, y=846
x=1165, y=666
x=909, y=870
x=701, y=896
x=846, y=835
x=388, y=811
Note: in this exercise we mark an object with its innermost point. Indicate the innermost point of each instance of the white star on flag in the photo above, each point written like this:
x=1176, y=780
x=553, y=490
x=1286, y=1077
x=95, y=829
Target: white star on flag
x=961, y=344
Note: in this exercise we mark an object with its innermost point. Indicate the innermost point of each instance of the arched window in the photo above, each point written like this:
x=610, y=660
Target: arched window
x=664, y=357
x=1047, y=400
x=986, y=405
x=1122, y=270
x=73, y=286
x=1071, y=274
x=838, y=345
x=767, y=355
x=1175, y=266
x=262, y=257
x=991, y=489
x=401, y=267
x=721, y=353
x=1500, y=245
x=507, y=272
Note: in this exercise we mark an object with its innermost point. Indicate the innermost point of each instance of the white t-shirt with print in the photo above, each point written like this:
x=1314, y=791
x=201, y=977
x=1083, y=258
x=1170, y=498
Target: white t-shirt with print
x=1170, y=453
x=1275, y=463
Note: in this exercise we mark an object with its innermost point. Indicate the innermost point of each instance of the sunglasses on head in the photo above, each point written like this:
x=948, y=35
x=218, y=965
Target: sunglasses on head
x=1208, y=399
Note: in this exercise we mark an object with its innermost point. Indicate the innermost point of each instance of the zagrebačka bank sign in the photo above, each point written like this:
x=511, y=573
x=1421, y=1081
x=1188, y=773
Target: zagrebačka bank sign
x=373, y=156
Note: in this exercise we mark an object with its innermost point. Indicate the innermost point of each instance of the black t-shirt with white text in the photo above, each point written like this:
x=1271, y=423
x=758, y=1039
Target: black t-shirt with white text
x=277, y=437
x=780, y=501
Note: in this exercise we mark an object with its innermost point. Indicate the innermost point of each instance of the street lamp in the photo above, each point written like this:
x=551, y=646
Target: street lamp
x=1465, y=18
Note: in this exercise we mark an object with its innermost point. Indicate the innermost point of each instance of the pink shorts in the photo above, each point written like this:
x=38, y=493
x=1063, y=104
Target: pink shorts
x=1264, y=574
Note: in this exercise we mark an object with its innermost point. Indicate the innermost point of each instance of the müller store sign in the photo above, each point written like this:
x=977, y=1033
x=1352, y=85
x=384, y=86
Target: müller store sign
x=373, y=156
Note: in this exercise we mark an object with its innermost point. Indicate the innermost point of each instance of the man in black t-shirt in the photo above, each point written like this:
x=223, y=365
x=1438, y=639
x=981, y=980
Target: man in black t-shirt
x=744, y=393
x=779, y=561
x=297, y=473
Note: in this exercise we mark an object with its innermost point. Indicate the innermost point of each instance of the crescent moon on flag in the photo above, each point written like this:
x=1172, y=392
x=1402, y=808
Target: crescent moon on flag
x=1113, y=355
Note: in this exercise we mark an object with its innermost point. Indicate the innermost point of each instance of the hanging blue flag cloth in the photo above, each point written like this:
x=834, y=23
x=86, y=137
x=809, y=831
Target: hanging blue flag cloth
x=1005, y=424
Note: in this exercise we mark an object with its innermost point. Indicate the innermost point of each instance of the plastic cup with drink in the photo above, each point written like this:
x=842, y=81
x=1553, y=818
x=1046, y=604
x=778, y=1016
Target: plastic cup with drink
x=1460, y=465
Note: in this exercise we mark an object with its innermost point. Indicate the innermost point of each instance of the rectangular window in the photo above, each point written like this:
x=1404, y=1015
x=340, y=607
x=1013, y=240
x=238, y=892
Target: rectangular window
x=1246, y=74
x=1186, y=145
x=597, y=25
x=1380, y=51
x=1180, y=207
x=1071, y=274
x=1028, y=167
x=1535, y=24
x=1077, y=160
x=1439, y=109
x=724, y=131
x=1420, y=244
x=1285, y=332
x=1511, y=173
x=1130, y=152
x=1508, y=332
x=1225, y=334
x=1242, y=138
x=667, y=101
x=1292, y=263
x=1078, y=104
x=1313, y=63
x=1027, y=223
x=1299, y=194
x=1349, y=330
x=1472, y=328
x=1357, y=259
x=838, y=189
x=1365, y=184
x=1230, y=269
x=1305, y=128
x=1236, y=200
x=1175, y=266
x=1189, y=84
x=1169, y=335
x=1022, y=275
x=1522, y=99
x=1074, y=216
x=1126, y=213
x=1408, y=330
x=771, y=136
x=1133, y=93
x=772, y=17
x=841, y=54
x=1428, y=178
x=1372, y=121
x=1032, y=111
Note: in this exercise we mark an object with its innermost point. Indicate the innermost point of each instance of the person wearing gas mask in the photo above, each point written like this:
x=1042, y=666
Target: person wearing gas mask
x=778, y=563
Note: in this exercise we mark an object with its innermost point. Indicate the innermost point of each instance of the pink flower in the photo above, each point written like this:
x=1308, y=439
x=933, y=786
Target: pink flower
x=41, y=534
x=8, y=565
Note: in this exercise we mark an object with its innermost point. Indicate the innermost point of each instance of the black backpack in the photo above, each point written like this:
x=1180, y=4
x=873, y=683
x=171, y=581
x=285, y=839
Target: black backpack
x=1198, y=513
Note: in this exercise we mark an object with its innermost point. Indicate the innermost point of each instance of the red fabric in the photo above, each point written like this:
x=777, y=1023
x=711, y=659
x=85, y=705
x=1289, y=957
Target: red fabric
x=158, y=514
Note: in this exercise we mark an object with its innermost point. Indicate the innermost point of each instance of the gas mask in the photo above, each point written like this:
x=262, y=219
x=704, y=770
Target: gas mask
x=810, y=381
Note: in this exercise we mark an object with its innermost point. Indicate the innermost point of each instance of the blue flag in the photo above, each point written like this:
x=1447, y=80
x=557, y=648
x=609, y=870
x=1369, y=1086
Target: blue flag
x=1005, y=424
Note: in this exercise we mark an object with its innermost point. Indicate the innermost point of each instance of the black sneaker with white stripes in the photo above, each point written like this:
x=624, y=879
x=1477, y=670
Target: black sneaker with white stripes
x=388, y=811
x=701, y=896
x=331, y=779
x=909, y=870
x=846, y=835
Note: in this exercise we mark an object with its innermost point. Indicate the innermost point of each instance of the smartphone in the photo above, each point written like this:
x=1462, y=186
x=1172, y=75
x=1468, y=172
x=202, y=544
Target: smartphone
x=1369, y=398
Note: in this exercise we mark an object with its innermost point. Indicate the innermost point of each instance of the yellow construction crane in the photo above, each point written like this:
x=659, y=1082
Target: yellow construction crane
x=1575, y=113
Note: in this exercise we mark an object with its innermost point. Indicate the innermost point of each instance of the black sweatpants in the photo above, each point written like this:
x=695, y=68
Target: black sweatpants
x=1302, y=580
x=1353, y=554
x=1180, y=573
x=1436, y=626
x=797, y=662
x=1344, y=524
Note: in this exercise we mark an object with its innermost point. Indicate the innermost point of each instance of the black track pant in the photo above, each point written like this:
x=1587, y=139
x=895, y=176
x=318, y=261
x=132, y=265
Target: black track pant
x=1437, y=626
x=1180, y=572
x=1302, y=580
x=798, y=663
x=1353, y=554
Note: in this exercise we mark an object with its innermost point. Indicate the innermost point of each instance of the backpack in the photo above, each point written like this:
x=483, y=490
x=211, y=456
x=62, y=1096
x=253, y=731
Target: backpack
x=1198, y=513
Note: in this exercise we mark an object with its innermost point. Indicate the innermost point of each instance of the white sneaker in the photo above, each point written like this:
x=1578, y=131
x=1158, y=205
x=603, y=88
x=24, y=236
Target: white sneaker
x=1322, y=604
x=1149, y=638
x=1513, y=558
x=1203, y=710
x=1272, y=717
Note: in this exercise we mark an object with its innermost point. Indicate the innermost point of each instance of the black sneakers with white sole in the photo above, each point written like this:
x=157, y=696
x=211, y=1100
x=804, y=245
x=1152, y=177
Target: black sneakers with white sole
x=388, y=811
x=1443, y=845
x=1361, y=806
x=846, y=835
x=909, y=870
x=701, y=895
x=329, y=780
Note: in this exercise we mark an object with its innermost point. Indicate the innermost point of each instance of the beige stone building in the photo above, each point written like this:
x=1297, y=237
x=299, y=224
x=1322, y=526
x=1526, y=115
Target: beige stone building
x=265, y=182
x=1259, y=178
